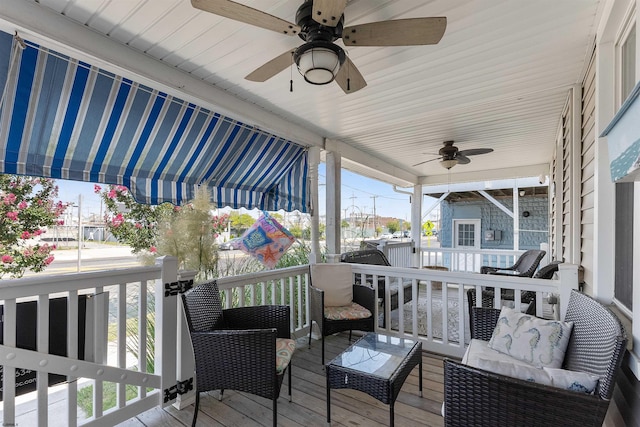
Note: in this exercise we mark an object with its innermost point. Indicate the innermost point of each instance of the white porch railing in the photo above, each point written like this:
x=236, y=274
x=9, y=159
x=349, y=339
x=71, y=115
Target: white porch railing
x=437, y=324
x=467, y=260
x=426, y=318
x=132, y=298
x=399, y=254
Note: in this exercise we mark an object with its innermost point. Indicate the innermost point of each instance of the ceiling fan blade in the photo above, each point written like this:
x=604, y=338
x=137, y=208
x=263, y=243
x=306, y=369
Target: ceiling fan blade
x=271, y=68
x=475, y=151
x=426, y=161
x=328, y=12
x=349, y=77
x=246, y=14
x=399, y=32
x=462, y=159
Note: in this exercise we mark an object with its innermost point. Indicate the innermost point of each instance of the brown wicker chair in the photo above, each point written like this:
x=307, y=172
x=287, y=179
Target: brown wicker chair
x=362, y=295
x=525, y=265
x=376, y=257
x=235, y=348
x=477, y=397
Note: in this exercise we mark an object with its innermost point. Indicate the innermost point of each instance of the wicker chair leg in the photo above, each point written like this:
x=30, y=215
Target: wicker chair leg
x=310, y=331
x=220, y=395
x=289, y=368
x=322, y=350
x=275, y=411
x=195, y=411
x=349, y=335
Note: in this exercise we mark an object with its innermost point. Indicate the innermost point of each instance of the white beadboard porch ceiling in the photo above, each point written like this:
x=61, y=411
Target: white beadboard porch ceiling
x=499, y=77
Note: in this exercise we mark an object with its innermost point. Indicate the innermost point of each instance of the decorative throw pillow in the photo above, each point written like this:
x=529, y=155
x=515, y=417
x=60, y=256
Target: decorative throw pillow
x=573, y=380
x=527, y=373
x=336, y=280
x=580, y=382
x=539, y=342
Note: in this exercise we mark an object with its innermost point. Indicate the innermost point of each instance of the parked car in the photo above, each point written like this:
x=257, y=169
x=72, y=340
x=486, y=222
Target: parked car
x=401, y=234
x=386, y=236
x=226, y=246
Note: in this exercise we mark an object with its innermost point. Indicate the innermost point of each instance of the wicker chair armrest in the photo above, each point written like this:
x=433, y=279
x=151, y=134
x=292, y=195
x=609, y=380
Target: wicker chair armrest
x=483, y=322
x=259, y=317
x=365, y=296
x=477, y=397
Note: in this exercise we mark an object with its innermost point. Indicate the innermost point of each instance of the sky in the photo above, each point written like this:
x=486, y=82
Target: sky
x=358, y=195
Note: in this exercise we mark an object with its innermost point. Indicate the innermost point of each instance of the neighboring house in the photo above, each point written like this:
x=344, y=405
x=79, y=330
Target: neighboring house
x=496, y=227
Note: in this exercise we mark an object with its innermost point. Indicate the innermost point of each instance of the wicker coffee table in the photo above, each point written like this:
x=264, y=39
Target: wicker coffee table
x=377, y=365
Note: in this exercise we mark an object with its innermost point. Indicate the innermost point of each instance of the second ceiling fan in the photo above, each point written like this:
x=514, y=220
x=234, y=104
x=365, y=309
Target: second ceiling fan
x=449, y=155
x=320, y=23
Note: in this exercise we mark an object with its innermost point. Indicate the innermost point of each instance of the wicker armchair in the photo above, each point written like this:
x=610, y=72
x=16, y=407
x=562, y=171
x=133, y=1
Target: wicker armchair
x=376, y=257
x=236, y=348
x=477, y=397
x=328, y=324
x=525, y=265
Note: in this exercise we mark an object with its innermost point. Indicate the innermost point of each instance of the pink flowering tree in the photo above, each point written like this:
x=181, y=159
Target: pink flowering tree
x=131, y=223
x=188, y=232
x=27, y=209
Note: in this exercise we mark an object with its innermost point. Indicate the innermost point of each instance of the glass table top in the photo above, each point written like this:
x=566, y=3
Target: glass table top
x=375, y=354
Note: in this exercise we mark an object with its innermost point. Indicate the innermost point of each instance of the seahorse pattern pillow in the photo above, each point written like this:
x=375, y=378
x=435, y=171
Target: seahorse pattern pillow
x=580, y=382
x=539, y=342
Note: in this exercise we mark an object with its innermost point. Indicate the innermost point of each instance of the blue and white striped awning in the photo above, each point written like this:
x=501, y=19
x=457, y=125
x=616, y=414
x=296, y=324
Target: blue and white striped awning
x=63, y=118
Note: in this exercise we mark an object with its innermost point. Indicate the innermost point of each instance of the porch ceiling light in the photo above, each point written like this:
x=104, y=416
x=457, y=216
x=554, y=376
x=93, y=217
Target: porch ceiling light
x=448, y=164
x=319, y=61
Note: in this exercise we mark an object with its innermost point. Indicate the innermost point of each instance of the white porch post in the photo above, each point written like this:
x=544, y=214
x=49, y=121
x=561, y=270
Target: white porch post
x=516, y=218
x=568, y=274
x=314, y=160
x=416, y=224
x=185, y=359
x=604, y=189
x=333, y=189
x=166, y=315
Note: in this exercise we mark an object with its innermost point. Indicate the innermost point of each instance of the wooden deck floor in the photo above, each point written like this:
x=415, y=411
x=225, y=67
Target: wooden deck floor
x=308, y=406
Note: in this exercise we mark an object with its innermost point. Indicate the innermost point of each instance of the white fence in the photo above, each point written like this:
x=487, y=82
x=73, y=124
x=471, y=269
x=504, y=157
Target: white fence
x=436, y=315
x=467, y=260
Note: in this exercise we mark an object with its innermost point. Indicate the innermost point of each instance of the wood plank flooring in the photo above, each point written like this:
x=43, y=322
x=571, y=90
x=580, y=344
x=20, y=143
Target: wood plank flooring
x=308, y=407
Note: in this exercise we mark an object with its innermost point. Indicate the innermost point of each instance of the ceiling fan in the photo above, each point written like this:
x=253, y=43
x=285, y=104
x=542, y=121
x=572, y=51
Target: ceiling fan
x=320, y=23
x=451, y=156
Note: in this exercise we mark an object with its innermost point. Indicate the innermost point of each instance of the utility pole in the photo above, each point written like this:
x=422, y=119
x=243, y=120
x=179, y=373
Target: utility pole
x=375, y=228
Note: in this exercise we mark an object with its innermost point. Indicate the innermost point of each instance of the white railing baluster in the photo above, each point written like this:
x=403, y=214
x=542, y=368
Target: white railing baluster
x=42, y=335
x=9, y=373
x=142, y=333
x=122, y=341
x=100, y=342
x=72, y=353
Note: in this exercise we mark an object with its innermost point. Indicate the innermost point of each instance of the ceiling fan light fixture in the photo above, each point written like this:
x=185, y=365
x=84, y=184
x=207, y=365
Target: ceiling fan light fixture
x=448, y=164
x=319, y=61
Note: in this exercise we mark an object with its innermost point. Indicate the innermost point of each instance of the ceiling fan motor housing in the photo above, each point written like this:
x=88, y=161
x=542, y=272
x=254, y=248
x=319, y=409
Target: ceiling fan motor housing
x=448, y=152
x=311, y=30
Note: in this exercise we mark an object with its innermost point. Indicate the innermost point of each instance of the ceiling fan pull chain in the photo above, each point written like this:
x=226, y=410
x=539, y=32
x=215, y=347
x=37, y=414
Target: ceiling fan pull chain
x=291, y=75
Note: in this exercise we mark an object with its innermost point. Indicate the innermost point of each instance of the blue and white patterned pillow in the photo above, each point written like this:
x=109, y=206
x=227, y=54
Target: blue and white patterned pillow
x=539, y=342
x=580, y=382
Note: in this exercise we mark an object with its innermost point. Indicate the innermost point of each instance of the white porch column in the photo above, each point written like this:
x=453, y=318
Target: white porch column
x=314, y=160
x=568, y=275
x=334, y=183
x=516, y=218
x=604, y=189
x=416, y=224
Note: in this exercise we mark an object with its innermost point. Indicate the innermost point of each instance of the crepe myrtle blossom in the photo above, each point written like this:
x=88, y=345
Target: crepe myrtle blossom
x=27, y=209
